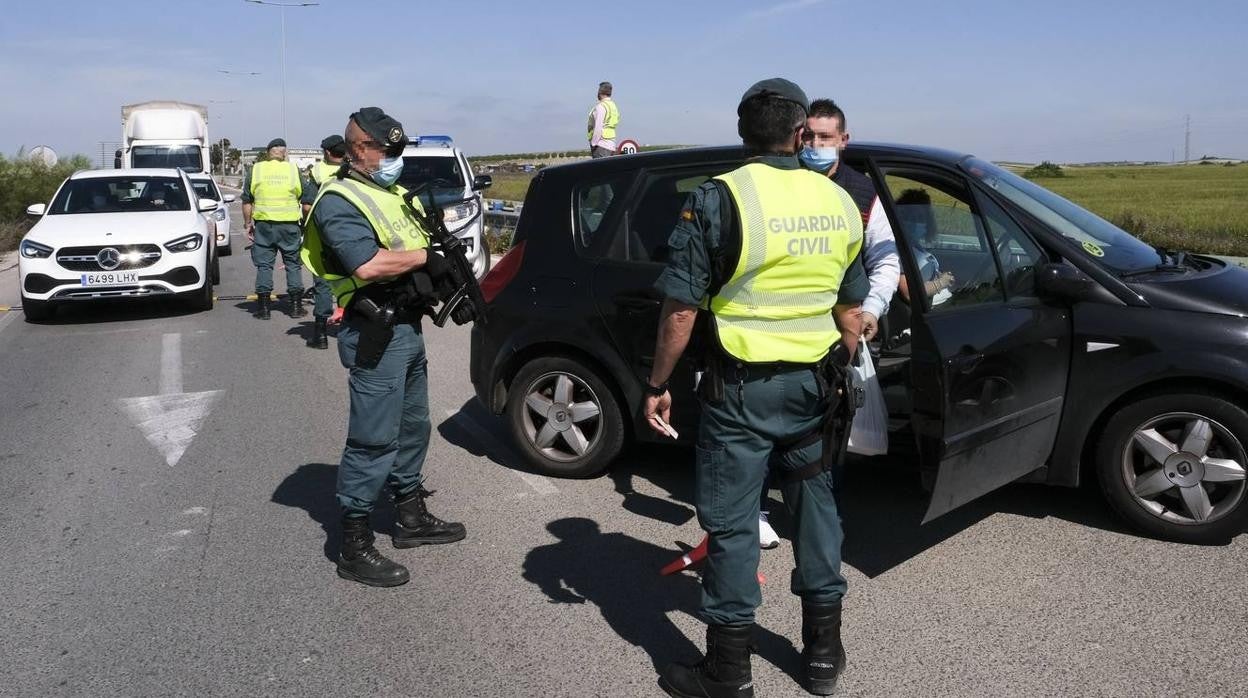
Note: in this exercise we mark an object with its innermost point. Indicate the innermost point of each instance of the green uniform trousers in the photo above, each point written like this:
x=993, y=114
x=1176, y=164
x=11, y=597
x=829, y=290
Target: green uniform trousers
x=273, y=237
x=757, y=428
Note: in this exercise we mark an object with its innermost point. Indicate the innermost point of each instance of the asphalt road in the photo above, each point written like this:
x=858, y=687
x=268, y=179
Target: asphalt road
x=197, y=562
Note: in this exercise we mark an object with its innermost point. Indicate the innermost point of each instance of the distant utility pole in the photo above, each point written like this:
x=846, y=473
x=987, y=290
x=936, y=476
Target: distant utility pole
x=1187, y=140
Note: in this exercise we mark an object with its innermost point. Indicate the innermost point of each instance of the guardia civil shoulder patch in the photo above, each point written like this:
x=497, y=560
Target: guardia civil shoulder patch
x=686, y=215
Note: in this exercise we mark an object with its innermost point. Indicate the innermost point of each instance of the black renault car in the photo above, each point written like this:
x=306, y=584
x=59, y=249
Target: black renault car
x=1061, y=347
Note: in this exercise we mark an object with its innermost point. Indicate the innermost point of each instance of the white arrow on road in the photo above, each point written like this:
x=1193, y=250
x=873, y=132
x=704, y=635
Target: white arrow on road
x=170, y=420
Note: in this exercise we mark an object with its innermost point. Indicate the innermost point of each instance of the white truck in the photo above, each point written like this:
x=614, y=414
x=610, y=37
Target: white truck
x=164, y=134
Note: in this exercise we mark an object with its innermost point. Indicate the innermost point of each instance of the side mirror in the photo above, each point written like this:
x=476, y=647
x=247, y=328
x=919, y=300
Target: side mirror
x=206, y=205
x=482, y=182
x=1064, y=282
x=36, y=209
x=229, y=198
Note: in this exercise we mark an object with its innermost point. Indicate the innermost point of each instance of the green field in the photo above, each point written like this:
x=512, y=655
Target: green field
x=1200, y=208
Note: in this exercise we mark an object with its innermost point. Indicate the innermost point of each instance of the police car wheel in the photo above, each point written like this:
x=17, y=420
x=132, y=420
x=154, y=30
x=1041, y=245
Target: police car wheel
x=1174, y=466
x=564, y=418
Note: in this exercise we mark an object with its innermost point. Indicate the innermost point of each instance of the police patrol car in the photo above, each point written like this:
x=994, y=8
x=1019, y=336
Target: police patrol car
x=436, y=161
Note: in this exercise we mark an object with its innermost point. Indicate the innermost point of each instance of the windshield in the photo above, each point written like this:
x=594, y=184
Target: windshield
x=1095, y=236
x=188, y=157
x=438, y=172
x=120, y=195
x=204, y=189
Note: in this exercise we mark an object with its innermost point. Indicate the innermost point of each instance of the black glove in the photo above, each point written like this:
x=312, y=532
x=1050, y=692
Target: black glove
x=436, y=266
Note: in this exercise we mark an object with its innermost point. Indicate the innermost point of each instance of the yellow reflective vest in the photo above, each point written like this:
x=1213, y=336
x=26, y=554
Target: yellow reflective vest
x=609, y=121
x=275, y=191
x=323, y=171
x=392, y=222
x=799, y=233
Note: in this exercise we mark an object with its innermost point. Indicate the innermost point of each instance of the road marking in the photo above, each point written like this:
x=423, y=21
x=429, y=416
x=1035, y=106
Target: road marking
x=169, y=421
x=195, y=511
x=540, y=484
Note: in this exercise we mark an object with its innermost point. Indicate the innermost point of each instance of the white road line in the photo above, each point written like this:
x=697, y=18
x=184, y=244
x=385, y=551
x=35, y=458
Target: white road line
x=171, y=364
x=540, y=484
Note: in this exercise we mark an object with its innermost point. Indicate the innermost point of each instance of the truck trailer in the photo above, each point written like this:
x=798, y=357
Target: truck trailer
x=164, y=134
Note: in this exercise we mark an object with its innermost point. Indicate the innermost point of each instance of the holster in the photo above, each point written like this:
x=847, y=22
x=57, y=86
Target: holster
x=844, y=399
x=375, y=322
x=711, y=387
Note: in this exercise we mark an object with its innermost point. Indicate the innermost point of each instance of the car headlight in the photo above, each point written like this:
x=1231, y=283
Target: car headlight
x=33, y=250
x=219, y=214
x=186, y=243
x=457, y=216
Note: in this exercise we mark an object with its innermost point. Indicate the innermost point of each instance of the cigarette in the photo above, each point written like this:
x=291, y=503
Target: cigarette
x=666, y=427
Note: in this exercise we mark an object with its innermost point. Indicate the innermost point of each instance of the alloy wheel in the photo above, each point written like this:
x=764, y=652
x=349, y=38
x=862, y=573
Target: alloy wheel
x=562, y=416
x=1185, y=468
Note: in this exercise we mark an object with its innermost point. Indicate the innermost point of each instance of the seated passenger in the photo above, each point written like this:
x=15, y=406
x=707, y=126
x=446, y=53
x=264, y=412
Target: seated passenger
x=918, y=224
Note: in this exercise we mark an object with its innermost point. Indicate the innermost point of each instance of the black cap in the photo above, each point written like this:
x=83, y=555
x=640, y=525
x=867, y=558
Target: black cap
x=331, y=142
x=277, y=143
x=778, y=88
x=381, y=127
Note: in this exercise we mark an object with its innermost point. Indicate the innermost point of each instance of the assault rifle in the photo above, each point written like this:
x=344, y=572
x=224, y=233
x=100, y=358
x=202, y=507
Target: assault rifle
x=457, y=287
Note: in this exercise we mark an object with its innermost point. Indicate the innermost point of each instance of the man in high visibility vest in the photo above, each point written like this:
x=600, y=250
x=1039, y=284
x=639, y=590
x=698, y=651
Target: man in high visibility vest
x=275, y=197
x=770, y=251
x=363, y=239
x=333, y=149
x=603, y=119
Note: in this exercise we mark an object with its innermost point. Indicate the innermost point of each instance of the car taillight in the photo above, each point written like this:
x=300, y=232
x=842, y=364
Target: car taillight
x=502, y=274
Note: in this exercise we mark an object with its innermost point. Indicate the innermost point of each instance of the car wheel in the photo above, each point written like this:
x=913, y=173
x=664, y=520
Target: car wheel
x=564, y=418
x=202, y=299
x=1174, y=466
x=215, y=270
x=37, y=311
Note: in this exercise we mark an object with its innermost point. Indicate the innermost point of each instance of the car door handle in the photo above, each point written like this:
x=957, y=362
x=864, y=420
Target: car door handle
x=965, y=361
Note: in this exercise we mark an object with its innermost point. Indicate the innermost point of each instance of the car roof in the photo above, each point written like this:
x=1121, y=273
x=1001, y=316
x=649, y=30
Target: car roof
x=682, y=156
x=130, y=172
x=435, y=151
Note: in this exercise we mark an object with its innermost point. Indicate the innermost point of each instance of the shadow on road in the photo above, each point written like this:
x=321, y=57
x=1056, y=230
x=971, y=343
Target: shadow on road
x=100, y=312
x=311, y=488
x=616, y=573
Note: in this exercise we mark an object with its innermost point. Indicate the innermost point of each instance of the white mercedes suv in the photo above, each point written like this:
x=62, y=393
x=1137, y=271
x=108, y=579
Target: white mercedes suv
x=118, y=234
x=436, y=162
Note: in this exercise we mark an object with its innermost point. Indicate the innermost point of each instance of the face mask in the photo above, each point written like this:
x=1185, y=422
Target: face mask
x=388, y=172
x=818, y=159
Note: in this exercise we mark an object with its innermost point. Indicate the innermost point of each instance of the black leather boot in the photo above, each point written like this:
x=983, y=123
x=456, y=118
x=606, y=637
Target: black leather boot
x=724, y=672
x=360, y=562
x=823, y=655
x=262, y=307
x=414, y=525
x=320, y=337
x=296, y=304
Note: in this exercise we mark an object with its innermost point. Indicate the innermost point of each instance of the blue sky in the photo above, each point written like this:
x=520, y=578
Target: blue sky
x=1059, y=80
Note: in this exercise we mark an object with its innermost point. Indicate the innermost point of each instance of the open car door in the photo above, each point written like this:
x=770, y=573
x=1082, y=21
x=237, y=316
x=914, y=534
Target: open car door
x=989, y=359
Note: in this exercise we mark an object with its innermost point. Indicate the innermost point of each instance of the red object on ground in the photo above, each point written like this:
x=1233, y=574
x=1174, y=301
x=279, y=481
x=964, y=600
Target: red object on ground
x=336, y=317
x=693, y=557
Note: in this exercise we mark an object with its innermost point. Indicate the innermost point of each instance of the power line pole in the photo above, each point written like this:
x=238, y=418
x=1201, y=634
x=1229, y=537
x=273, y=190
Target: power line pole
x=1187, y=141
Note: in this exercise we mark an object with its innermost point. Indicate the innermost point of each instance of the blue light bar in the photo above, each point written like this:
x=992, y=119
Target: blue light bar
x=444, y=141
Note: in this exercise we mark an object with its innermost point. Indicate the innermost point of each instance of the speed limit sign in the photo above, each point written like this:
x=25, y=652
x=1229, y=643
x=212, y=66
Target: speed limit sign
x=628, y=147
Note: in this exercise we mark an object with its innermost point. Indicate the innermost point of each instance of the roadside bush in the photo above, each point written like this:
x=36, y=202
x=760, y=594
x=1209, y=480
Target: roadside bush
x=1044, y=169
x=24, y=182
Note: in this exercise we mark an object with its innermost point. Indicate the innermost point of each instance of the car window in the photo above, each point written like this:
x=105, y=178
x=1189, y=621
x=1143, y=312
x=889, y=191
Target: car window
x=592, y=202
x=439, y=172
x=656, y=212
x=204, y=189
x=945, y=238
x=1018, y=254
x=120, y=195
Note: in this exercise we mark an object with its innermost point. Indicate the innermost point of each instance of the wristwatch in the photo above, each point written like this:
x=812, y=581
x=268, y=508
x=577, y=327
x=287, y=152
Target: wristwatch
x=655, y=390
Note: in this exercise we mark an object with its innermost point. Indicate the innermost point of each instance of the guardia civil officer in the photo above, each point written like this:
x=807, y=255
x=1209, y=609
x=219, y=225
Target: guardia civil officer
x=776, y=268
x=333, y=150
x=275, y=197
x=359, y=237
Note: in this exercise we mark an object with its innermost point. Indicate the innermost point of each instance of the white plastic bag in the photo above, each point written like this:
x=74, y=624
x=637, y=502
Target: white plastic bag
x=869, y=434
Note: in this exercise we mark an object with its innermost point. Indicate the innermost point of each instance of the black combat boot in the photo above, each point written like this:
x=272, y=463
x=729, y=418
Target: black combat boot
x=320, y=338
x=296, y=304
x=823, y=655
x=414, y=525
x=262, y=308
x=723, y=673
x=360, y=562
